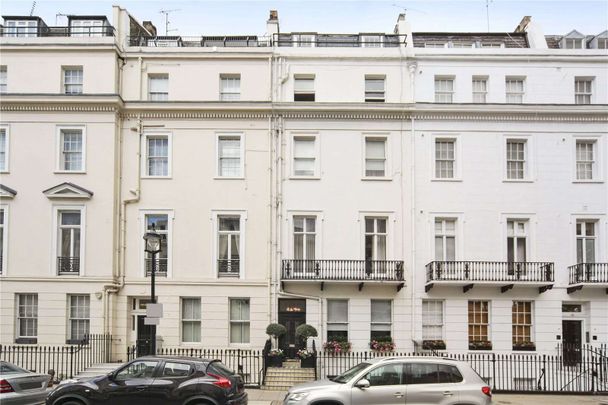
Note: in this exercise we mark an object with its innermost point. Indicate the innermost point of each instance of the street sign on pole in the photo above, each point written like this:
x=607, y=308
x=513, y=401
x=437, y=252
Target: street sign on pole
x=151, y=321
x=154, y=310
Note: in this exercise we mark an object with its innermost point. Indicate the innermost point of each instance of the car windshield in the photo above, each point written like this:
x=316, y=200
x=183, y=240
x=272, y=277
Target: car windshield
x=347, y=375
x=6, y=368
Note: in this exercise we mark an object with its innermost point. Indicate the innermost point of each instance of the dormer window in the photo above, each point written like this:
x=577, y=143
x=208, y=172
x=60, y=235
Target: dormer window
x=305, y=40
x=21, y=28
x=86, y=28
x=371, y=41
x=573, y=40
x=574, y=43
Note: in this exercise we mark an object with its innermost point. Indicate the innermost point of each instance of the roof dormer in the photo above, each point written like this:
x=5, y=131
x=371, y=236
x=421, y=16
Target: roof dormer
x=24, y=26
x=573, y=40
x=89, y=26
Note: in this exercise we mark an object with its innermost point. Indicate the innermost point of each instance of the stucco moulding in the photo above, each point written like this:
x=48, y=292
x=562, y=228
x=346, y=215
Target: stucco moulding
x=7, y=192
x=68, y=191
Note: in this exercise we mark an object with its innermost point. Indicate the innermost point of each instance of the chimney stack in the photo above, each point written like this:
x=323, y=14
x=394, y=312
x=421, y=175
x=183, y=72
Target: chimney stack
x=150, y=27
x=404, y=30
x=272, y=25
x=534, y=33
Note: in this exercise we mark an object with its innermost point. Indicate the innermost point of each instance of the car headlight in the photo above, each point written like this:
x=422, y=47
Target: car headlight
x=298, y=396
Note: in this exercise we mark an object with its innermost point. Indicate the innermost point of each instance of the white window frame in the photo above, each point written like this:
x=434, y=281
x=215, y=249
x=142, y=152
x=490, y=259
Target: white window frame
x=389, y=324
x=305, y=232
x=3, y=79
x=64, y=70
x=317, y=157
x=157, y=96
x=572, y=42
x=318, y=230
x=444, y=234
x=530, y=220
x=461, y=44
x=242, y=214
x=239, y=321
x=59, y=168
x=142, y=229
x=87, y=28
x=18, y=317
x=530, y=325
x=21, y=28
x=589, y=94
x=598, y=158
x=307, y=77
x=521, y=94
x=529, y=172
x=457, y=154
x=218, y=137
x=480, y=94
x=391, y=237
x=439, y=93
x=371, y=40
x=602, y=43
x=230, y=95
x=298, y=40
x=182, y=320
x=4, y=229
x=345, y=324
x=145, y=169
x=387, y=155
x=516, y=235
x=426, y=322
x=435, y=45
x=55, y=237
x=7, y=143
x=377, y=97
x=71, y=317
x=488, y=324
x=585, y=222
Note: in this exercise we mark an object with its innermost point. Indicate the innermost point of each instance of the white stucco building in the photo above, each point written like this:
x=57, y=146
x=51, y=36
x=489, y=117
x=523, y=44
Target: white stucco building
x=424, y=186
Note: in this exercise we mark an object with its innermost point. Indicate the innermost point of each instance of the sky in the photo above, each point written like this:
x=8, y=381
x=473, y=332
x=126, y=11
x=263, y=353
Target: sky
x=232, y=17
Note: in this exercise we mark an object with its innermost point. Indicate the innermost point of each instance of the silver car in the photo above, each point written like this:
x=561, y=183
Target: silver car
x=21, y=387
x=397, y=380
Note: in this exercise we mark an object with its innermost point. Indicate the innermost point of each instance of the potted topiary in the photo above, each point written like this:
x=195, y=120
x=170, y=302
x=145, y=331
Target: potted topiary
x=308, y=359
x=276, y=330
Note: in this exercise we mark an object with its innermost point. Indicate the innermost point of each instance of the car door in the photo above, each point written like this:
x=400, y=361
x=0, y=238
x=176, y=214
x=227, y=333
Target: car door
x=424, y=385
x=131, y=384
x=386, y=386
x=169, y=387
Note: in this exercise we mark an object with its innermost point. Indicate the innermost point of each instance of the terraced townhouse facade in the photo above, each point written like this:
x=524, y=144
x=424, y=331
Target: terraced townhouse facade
x=425, y=186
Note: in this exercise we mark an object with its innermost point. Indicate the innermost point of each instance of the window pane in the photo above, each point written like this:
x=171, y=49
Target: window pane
x=374, y=148
x=381, y=311
x=337, y=311
x=304, y=85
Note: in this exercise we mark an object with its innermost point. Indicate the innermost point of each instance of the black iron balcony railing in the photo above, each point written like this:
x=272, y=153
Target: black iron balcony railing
x=1, y=262
x=68, y=265
x=228, y=267
x=44, y=31
x=588, y=273
x=489, y=271
x=160, y=269
x=248, y=41
x=316, y=40
x=344, y=270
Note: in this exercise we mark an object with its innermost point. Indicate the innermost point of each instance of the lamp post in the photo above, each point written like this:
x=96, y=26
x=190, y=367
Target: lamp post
x=152, y=247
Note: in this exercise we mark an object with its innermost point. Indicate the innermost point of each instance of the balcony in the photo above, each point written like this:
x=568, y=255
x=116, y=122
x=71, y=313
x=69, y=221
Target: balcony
x=247, y=41
x=228, y=267
x=44, y=31
x=344, y=271
x=68, y=265
x=316, y=40
x=160, y=268
x=504, y=274
x=589, y=275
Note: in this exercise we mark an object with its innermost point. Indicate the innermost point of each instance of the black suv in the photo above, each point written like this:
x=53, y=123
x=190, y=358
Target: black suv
x=156, y=380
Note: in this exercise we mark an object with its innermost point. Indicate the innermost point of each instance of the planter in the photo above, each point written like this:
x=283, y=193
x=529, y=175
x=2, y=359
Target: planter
x=525, y=347
x=275, y=361
x=480, y=345
x=309, y=362
x=433, y=345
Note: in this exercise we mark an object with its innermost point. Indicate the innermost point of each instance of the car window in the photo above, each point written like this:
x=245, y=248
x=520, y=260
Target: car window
x=176, y=370
x=389, y=374
x=217, y=367
x=137, y=369
x=422, y=373
x=350, y=373
x=6, y=368
x=449, y=374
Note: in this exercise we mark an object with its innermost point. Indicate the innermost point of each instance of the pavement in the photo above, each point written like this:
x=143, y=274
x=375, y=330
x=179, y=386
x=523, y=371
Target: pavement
x=262, y=397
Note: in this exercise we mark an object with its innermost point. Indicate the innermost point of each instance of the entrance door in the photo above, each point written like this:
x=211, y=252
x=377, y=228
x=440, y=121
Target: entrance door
x=144, y=336
x=572, y=331
x=292, y=313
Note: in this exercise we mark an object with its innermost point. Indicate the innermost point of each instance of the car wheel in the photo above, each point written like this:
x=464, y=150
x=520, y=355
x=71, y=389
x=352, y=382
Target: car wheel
x=71, y=402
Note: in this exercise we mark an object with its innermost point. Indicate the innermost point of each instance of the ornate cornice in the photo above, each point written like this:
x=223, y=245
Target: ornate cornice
x=57, y=108
x=197, y=114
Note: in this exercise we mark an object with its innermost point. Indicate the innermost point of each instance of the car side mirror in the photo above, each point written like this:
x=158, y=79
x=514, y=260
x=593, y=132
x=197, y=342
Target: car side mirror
x=362, y=383
x=111, y=376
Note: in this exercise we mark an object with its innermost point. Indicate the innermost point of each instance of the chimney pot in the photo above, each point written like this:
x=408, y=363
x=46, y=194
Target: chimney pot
x=274, y=15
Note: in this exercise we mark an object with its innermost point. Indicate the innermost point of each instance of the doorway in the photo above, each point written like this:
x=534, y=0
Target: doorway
x=292, y=313
x=572, y=331
x=144, y=336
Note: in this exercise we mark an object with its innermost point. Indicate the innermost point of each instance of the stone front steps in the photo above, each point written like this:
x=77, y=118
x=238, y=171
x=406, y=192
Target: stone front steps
x=283, y=378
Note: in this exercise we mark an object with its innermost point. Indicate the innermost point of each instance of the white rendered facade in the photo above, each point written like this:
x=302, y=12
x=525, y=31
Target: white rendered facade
x=211, y=145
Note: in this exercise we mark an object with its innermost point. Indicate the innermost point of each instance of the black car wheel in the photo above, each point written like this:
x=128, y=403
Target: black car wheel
x=71, y=402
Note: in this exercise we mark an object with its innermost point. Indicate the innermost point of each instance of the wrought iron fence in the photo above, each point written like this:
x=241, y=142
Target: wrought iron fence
x=351, y=270
x=489, y=271
x=46, y=31
x=67, y=361
x=248, y=363
x=68, y=265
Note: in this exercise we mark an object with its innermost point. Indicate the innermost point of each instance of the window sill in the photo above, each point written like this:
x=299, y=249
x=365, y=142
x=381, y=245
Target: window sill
x=26, y=341
x=517, y=181
x=587, y=181
x=305, y=178
x=228, y=178
x=157, y=177
x=70, y=172
x=456, y=179
x=367, y=178
x=4, y=172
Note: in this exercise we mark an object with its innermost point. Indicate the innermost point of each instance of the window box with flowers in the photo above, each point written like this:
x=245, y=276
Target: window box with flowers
x=480, y=345
x=336, y=346
x=525, y=346
x=275, y=358
x=307, y=358
x=433, y=345
x=384, y=344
